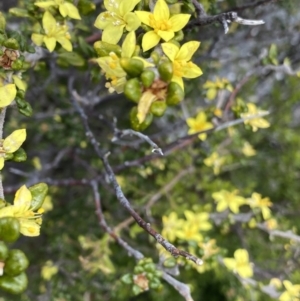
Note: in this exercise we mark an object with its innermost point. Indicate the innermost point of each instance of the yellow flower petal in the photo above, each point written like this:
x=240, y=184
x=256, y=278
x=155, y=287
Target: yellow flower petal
x=144, y=16
x=49, y=22
x=112, y=34
x=29, y=228
x=150, y=40
x=19, y=83
x=50, y=43
x=22, y=201
x=65, y=43
x=229, y=263
x=190, y=70
x=69, y=9
x=128, y=45
x=170, y=50
x=132, y=21
x=127, y=6
x=166, y=35
x=7, y=95
x=161, y=10
x=187, y=50
x=178, y=80
x=179, y=21
x=14, y=141
x=37, y=39
x=45, y=4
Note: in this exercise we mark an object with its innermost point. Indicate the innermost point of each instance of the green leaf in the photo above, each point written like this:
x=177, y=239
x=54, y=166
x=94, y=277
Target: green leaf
x=72, y=58
x=39, y=192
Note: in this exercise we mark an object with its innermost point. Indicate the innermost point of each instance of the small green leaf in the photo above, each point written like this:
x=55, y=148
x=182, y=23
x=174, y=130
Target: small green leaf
x=39, y=192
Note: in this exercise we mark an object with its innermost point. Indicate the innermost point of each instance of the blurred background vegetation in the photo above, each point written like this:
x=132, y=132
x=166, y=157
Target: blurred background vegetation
x=90, y=264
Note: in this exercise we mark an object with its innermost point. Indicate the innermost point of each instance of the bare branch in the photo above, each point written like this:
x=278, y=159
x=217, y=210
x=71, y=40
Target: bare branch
x=118, y=191
x=278, y=233
x=223, y=18
x=182, y=288
x=121, y=133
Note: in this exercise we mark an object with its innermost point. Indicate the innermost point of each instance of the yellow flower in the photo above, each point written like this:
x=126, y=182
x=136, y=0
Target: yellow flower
x=292, y=292
x=180, y=57
x=171, y=225
x=65, y=8
x=7, y=95
x=226, y=199
x=54, y=32
x=256, y=201
x=49, y=270
x=248, y=150
x=199, y=124
x=21, y=209
x=198, y=219
x=255, y=123
x=215, y=161
x=10, y=144
x=118, y=16
x=209, y=248
x=189, y=232
x=163, y=26
x=240, y=263
x=214, y=87
x=111, y=64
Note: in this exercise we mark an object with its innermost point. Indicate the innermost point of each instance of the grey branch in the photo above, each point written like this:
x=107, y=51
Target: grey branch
x=223, y=18
x=117, y=188
x=278, y=233
x=121, y=133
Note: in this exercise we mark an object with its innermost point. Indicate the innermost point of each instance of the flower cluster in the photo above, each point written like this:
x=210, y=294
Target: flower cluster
x=149, y=72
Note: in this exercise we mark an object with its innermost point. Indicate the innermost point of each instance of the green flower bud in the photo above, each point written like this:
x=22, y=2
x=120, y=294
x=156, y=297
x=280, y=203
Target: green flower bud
x=165, y=70
x=136, y=290
x=9, y=229
x=14, y=285
x=104, y=49
x=149, y=267
x=39, y=192
x=19, y=155
x=132, y=90
x=12, y=44
x=158, y=108
x=147, y=78
x=17, y=65
x=138, y=269
x=27, y=111
x=155, y=57
x=133, y=67
x=135, y=122
x=175, y=94
x=3, y=251
x=127, y=279
x=16, y=263
x=21, y=94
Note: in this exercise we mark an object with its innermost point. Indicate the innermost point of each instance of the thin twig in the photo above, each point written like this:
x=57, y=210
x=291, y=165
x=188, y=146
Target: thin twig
x=223, y=19
x=121, y=133
x=102, y=222
x=278, y=233
x=199, y=8
x=118, y=191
